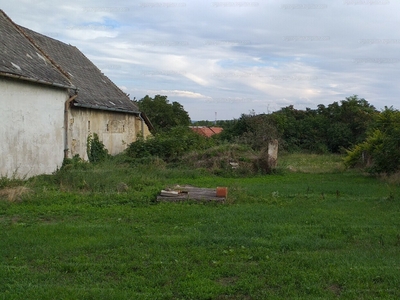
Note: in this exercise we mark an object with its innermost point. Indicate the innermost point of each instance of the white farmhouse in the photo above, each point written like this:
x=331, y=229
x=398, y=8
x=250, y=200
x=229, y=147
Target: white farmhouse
x=52, y=97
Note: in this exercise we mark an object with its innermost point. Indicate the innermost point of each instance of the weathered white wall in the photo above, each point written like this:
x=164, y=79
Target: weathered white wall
x=31, y=128
x=116, y=130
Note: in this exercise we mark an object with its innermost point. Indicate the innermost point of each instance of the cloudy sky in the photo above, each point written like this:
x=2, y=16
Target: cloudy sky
x=231, y=57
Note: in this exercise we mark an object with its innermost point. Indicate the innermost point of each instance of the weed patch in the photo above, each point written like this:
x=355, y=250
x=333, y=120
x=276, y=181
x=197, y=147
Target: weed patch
x=15, y=194
x=229, y=160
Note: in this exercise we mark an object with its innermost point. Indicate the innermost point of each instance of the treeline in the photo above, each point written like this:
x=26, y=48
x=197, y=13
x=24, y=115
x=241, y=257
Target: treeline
x=353, y=126
x=331, y=128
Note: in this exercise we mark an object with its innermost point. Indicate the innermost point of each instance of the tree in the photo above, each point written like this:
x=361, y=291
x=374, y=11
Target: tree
x=327, y=128
x=163, y=114
x=299, y=129
x=351, y=118
x=381, y=147
x=253, y=130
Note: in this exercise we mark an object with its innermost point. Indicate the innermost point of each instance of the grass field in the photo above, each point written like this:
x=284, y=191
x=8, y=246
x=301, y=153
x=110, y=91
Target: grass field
x=311, y=231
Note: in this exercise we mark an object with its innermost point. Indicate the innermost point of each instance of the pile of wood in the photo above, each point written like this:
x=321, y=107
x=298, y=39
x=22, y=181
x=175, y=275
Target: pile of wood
x=185, y=193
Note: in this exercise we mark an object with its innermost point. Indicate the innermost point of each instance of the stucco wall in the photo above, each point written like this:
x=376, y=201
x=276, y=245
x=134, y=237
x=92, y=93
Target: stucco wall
x=116, y=130
x=31, y=128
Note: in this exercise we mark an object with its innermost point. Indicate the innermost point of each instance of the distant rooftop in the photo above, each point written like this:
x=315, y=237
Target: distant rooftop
x=206, y=130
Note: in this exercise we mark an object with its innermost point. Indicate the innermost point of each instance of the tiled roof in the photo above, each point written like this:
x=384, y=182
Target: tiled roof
x=95, y=89
x=42, y=57
x=216, y=130
x=206, y=131
x=20, y=59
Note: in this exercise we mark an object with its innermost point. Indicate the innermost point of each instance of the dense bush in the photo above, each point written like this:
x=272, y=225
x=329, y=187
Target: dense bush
x=229, y=159
x=380, y=152
x=75, y=163
x=252, y=130
x=96, y=150
x=169, y=145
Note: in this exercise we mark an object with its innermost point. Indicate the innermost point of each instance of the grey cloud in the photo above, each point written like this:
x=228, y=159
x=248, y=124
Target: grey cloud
x=260, y=55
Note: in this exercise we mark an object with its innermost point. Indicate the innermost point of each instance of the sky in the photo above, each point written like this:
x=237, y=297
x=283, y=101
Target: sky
x=221, y=59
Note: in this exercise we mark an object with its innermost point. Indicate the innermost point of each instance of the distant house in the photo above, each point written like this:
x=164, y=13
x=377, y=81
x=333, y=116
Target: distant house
x=206, y=131
x=52, y=97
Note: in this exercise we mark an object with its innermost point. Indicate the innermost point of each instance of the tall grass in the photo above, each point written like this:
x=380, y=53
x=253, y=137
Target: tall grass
x=311, y=163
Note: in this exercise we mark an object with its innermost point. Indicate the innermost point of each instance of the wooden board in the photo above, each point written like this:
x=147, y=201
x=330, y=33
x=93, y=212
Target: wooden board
x=193, y=193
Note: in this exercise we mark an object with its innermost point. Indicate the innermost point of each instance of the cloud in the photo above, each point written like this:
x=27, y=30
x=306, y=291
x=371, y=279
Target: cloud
x=231, y=56
x=178, y=93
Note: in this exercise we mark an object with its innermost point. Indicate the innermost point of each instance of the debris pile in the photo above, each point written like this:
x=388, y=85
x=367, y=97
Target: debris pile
x=185, y=193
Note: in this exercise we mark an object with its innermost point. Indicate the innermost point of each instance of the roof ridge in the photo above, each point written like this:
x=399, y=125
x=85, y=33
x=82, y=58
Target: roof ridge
x=20, y=30
x=210, y=127
x=24, y=35
x=46, y=36
x=31, y=40
x=75, y=49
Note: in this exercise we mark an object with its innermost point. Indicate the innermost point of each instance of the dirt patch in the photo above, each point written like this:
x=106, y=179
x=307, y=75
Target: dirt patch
x=15, y=219
x=335, y=289
x=227, y=281
x=14, y=194
x=122, y=187
x=233, y=297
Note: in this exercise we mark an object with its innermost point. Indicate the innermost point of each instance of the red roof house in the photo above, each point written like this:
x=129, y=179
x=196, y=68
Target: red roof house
x=206, y=131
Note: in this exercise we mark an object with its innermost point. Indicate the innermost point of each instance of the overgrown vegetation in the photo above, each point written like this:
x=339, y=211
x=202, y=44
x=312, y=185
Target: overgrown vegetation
x=380, y=152
x=169, y=145
x=232, y=160
x=255, y=131
x=328, y=129
x=369, y=138
x=96, y=151
x=184, y=148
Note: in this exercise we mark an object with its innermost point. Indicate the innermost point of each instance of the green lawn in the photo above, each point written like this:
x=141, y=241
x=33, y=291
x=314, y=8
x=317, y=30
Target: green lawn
x=311, y=231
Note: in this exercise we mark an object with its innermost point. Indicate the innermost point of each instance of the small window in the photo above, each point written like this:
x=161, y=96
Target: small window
x=107, y=127
x=88, y=125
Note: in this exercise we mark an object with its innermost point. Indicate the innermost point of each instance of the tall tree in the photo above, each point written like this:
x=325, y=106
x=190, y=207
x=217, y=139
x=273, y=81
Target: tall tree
x=351, y=119
x=163, y=114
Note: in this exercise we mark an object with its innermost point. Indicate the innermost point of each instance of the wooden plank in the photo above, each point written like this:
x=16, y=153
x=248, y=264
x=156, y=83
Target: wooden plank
x=188, y=193
x=169, y=193
x=180, y=199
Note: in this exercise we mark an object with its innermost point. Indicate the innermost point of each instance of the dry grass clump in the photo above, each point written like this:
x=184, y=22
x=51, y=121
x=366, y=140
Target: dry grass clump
x=14, y=194
x=390, y=178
